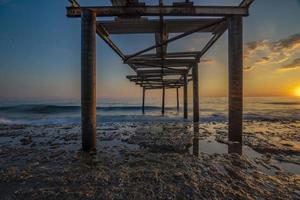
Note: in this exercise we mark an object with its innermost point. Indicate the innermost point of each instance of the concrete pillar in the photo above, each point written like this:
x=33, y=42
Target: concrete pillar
x=195, y=93
x=235, y=147
x=196, y=139
x=163, y=101
x=235, y=59
x=143, y=106
x=177, y=95
x=88, y=80
x=185, y=97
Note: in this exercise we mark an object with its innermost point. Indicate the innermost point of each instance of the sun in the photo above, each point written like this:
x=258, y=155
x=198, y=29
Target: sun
x=297, y=91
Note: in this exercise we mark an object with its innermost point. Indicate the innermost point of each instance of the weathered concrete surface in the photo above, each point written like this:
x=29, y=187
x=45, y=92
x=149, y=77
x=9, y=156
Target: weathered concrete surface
x=88, y=80
x=235, y=59
x=195, y=93
x=185, y=98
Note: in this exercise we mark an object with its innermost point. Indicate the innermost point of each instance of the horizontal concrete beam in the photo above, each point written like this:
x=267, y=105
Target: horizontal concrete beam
x=133, y=11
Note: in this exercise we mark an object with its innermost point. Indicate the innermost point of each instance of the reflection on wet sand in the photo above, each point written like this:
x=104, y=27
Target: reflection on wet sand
x=147, y=161
x=211, y=146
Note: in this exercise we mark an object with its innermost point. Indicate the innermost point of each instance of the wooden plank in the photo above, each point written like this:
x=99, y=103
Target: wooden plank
x=110, y=11
x=153, y=26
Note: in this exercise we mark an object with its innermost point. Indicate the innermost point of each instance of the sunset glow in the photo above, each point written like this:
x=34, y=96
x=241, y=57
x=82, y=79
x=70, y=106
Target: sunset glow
x=297, y=91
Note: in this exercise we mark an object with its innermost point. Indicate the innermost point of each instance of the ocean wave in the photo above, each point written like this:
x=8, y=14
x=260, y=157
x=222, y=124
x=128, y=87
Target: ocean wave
x=5, y=121
x=54, y=109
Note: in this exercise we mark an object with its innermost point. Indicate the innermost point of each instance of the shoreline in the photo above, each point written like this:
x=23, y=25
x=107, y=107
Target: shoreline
x=150, y=160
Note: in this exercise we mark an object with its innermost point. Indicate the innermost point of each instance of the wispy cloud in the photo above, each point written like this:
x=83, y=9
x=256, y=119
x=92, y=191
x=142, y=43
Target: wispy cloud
x=265, y=52
x=293, y=65
x=208, y=61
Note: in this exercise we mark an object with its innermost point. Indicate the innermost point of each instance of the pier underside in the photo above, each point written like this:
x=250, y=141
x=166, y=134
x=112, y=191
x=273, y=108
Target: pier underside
x=162, y=69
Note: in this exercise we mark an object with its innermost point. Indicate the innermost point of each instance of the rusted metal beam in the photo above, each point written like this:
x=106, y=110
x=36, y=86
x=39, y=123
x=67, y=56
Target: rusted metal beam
x=160, y=61
x=166, y=87
x=166, y=66
x=175, y=38
x=149, y=77
x=168, y=55
x=211, y=42
x=166, y=71
x=153, y=26
x=134, y=11
x=104, y=36
x=246, y=3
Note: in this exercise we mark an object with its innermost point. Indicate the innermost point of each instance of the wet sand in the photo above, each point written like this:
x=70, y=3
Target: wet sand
x=151, y=161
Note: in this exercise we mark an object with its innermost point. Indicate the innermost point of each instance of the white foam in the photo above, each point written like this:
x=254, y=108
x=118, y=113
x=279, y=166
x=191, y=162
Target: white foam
x=5, y=121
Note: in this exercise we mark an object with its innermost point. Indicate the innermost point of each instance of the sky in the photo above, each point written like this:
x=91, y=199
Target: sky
x=40, y=53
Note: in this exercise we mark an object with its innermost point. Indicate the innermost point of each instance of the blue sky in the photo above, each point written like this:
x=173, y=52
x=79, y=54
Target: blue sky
x=40, y=52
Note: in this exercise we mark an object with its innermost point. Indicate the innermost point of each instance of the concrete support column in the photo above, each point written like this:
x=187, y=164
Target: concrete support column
x=196, y=140
x=88, y=80
x=235, y=53
x=195, y=93
x=177, y=95
x=163, y=101
x=143, y=106
x=185, y=97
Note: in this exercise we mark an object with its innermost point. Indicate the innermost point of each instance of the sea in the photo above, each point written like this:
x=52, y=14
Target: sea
x=211, y=110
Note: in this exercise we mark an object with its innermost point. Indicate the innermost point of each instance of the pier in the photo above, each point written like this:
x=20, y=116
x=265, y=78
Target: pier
x=162, y=70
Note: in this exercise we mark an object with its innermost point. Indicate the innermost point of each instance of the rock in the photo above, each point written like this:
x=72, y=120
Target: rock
x=26, y=140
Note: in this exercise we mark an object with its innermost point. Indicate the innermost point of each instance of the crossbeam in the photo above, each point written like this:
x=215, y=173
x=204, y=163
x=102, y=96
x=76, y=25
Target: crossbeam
x=169, y=55
x=159, y=61
x=153, y=26
x=133, y=11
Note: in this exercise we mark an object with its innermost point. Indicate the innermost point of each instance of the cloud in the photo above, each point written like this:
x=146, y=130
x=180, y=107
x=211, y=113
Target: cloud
x=208, y=61
x=293, y=65
x=265, y=52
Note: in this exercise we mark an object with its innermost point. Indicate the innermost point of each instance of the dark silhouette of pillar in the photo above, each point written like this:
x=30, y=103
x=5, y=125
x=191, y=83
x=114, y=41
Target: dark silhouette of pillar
x=163, y=101
x=185, y=97
x=235, y=147
x=195, y=93
x=88, y=79
x=177, y=95
x=235, y=59
x=143, y=106
x=196, y=139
